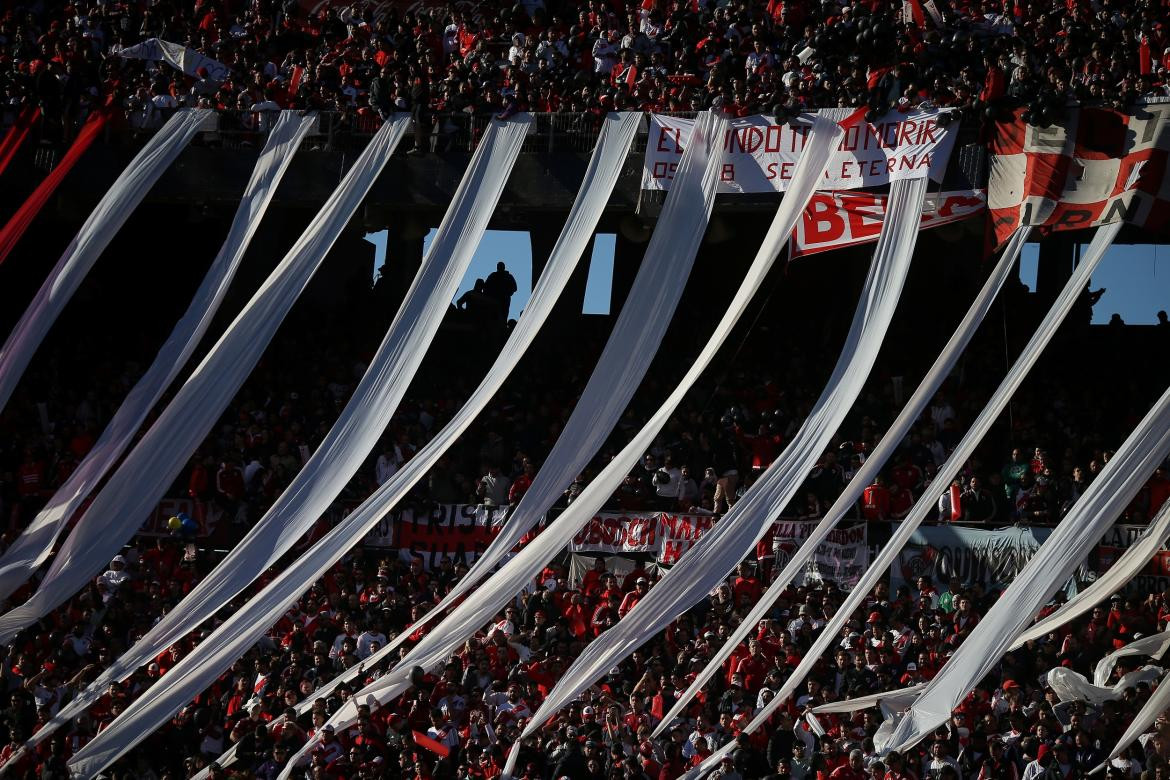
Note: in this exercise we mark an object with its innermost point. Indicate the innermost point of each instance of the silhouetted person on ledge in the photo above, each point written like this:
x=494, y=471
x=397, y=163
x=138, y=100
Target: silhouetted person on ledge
x=500, y=286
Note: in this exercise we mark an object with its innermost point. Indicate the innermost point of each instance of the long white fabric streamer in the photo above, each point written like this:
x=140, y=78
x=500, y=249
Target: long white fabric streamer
x=718, y=552
x=879, y=567
x=470, y=615
x=1072, y=686
x=143, y=477
x=1155, y=646
x=362, y=420
x=35, y=543
x=617, y=134
x=244, y=627
x=870, y=469
x=1122, y=570
x=1052, y=564
x=99, y=229
x=896, y=699
x=1158, y=703
x=671, y=252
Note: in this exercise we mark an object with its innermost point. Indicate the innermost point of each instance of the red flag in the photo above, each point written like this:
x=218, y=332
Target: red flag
x=1145, y=61
x=294, y=80
x=956, y=504
x=27, y=212
x=16, y=134
x=436, y=747
x=856, y=118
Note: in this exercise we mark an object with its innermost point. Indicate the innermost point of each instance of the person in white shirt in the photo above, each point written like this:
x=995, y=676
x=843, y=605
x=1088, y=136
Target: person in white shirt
x=388, y=463
x=349, y=631
x=366, y=640
x=116, y=575
x=938, y=759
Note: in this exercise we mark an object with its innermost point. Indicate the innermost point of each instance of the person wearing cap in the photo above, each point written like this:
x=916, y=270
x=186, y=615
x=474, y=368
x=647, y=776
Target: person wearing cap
x=641, y=588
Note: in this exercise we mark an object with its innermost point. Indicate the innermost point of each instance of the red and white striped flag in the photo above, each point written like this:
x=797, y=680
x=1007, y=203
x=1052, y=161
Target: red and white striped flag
x=1097, y=167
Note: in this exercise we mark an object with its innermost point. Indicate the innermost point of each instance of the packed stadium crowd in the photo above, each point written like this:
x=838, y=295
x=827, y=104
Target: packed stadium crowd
x=365, y=60
x=460, y=721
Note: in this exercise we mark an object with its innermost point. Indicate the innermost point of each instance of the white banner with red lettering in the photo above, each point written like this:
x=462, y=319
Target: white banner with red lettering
x=843, y=557
x=839, y=219
x=760, y=154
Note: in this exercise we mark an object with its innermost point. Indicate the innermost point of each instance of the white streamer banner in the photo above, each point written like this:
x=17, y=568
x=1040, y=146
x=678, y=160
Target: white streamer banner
x=33, y=546
x=872, y=466
x=739, y=530
x=145, y=474
x=497, y=152
x=468, y=617
x=1052, y=565
x=107, y=218
x=947, y=472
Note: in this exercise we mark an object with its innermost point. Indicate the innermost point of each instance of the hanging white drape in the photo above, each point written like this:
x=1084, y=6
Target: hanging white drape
x=896, y=699
x=617, y=135
x=362, y=420
x=1043, y=575
x=718, y=552
x=1113, y=580
x=670, y=253
x=142, y=478
x=879, y=567
x=1154, y=646
x=245, y=626
x=865, y=475
x=99, y=229
x=1157, y=704
x=35, y=543
x=465, y=619
x=1073, y=686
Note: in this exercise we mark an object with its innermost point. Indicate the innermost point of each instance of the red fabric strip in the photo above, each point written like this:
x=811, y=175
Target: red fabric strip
x=16, y=134
x=27, y=212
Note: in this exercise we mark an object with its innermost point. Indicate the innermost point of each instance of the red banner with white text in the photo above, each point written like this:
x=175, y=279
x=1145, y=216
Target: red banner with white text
x=834, y=220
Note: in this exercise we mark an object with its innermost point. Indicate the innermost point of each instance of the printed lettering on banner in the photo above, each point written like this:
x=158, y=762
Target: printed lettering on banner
x=838, y=219
x=843, y=557
x=680, y=533
x=610, y=532
x=1154, y=576
x=760, y=154
x=459, y=531
x=991, y=557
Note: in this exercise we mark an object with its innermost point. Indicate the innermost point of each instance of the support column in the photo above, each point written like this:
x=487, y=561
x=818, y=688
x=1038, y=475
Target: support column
x=1054, y=267
x=568, y=307
x=404, y=253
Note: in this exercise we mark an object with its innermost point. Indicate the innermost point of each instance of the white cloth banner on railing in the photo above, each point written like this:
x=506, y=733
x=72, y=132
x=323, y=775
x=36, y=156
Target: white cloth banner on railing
x=617, y=135
x=869, y=469
x=1113, y=580
x=142, y=478
x=470, y=616
x=879, y=567
x=671, y=251
x=95, y=235
x=35, y=543
x=760, y=153
x=1154, y=646
x=230, y=640
x=1157, y=704
x=361, y=422
x=1052, y=565
x=1073, y=686
x=716, y=554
